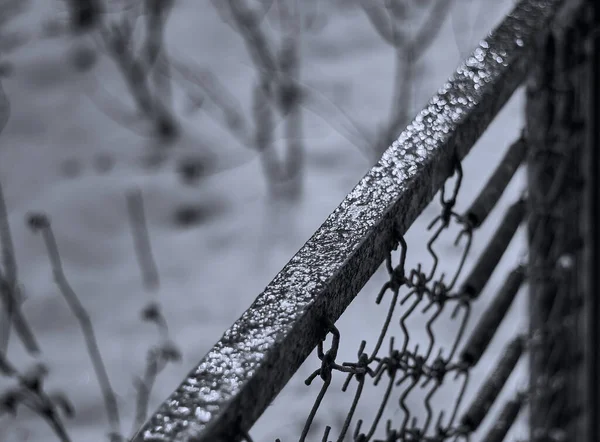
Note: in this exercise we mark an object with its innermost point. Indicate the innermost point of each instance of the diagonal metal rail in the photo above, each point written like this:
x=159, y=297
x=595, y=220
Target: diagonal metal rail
x=233, y=384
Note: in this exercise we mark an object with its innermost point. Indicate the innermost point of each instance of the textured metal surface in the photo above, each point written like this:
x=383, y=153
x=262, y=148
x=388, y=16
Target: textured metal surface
x=555, y=123
x=494, y=315
x=592, y=226
x=233, y=384
x=479, y=210
x=486, y=263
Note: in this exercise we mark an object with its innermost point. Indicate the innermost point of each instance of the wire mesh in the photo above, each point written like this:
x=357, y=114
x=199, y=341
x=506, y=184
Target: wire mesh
x=404, y=366
x=222, y=398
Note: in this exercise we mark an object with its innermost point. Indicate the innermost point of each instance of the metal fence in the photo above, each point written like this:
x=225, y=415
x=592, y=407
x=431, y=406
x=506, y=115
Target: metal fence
x=550, y=45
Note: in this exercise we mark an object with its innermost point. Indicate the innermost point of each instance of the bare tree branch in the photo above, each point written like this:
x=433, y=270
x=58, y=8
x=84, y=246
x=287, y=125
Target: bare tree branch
x=157, y=359
x=226, y=16
x=112, y=106
x=4, y=109
x=117, y=39
x=30, y=393
x=380, y=19
x=9, y=289
x=227, y=108
x=218, y=94
x=400, y=111
x=40, y=222
x=428, y=32
x=159, y=356
x=387, y=21
x=141, y=240
x=9, y=262
x=263, y=134
x=289, y=94
x=156, y=15
x=257, y=44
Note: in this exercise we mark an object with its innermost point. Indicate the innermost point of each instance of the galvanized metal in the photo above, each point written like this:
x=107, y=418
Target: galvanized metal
x=233, y=384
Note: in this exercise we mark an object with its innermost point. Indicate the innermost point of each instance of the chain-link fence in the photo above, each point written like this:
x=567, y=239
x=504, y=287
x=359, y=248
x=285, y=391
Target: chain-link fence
x=547, y=42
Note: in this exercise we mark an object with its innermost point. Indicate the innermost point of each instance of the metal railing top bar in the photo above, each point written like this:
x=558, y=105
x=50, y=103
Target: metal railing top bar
x=225, y=394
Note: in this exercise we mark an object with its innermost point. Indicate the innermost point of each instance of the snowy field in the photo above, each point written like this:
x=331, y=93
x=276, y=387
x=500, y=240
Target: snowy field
x=210, y=272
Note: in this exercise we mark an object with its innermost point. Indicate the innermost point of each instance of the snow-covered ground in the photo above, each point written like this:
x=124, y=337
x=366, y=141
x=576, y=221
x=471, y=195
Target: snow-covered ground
x=210, y=272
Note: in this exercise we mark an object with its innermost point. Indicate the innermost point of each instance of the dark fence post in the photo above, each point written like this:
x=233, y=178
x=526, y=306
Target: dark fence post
x=592, y=229
x=558, y=239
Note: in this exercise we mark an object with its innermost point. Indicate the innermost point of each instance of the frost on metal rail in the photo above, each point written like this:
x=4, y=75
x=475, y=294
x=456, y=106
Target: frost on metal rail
x=234, y=383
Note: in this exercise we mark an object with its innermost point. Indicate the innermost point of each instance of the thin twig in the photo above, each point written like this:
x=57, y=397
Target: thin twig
x=117, y=39
x=157, y=359
x=30, y=393
x=9, y=263
x=4, y=108
x=144, y=387
x=407, y=53
x=161, y=78
x=226, y=109
x=380, y=20
x=257, y=44
x=115, y=109
x=263, y=135
x=260, y=13
x=6, y=368
x=141, y=240
x=218, y=94
x=320, y=105
x=5, y=314
x=157, y=13
x=278, y=87
x=10, y=270
x=289, y=94
x=42, y=223
x=401, y=103
x=11, y=301
x=430, y=29
x=166, y=351
x=9, y=290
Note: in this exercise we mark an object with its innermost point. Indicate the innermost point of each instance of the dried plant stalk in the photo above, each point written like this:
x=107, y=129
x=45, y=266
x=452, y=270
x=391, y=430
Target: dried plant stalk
x=159, y=356
x=40, y=222
x=10, y=291
x=141, y=240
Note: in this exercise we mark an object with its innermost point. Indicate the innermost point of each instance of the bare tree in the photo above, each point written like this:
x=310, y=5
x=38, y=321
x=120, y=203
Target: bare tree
x=391, y=19
x=276, y=91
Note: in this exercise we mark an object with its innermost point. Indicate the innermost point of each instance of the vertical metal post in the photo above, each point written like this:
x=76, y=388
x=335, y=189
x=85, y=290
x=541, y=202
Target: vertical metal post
x=554, y=116
x=592, y=227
